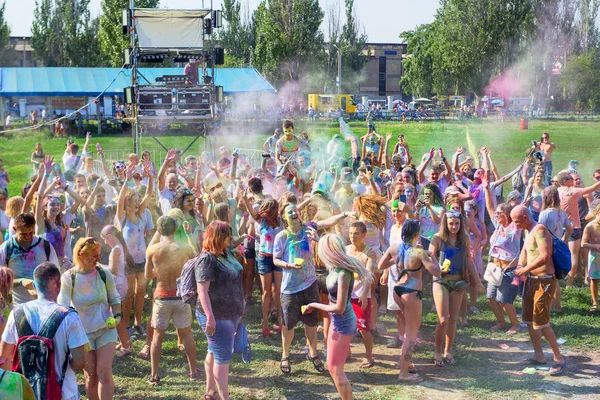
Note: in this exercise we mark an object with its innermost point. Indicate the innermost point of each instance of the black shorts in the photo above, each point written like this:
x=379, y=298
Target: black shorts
x=576, y=235
x=135, y=269
x=291, y=306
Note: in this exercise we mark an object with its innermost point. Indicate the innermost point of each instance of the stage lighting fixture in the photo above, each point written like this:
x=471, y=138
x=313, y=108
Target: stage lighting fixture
x=219, y=94
x=128, y=94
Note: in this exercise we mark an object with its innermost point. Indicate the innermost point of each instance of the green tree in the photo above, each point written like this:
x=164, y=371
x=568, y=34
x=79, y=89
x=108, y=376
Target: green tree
x=289, y=41
x=6, y=51
x=580, y=79
x=63, y=33
x=353, y=41
x=238, y=35
x=110, y=33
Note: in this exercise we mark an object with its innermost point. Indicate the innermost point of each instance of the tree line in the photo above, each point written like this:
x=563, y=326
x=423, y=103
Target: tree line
x=543, y=49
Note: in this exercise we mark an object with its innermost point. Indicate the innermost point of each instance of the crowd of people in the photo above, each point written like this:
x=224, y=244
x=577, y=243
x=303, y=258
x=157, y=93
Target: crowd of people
x=325, y=236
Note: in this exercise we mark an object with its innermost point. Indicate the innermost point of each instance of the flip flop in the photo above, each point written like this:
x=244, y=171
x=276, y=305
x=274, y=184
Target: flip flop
x=366, y=364
x=195, y=376
x=412, y=369
x=594, y=308
x=439, y=362
x=145, y=352
x=512, y=331
x=449, y=360
x=411, y=378
x=558, y=369
x=532, y=361
x=213, y=396
x=153, y=381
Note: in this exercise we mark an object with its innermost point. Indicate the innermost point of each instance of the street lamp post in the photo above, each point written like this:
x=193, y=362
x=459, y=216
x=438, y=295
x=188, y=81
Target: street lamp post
x=339, y=77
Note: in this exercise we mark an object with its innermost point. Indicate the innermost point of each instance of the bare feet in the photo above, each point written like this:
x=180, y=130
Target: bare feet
x=513, y=330
x=497, y=327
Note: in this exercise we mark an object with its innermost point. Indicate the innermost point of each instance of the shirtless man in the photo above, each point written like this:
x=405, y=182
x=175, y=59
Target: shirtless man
x=164, y=261
x=536, y=264
x=547, y=147
x=359, y=250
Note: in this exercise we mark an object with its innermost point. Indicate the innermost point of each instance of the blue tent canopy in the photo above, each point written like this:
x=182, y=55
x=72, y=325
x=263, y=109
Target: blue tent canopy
x=63, y=81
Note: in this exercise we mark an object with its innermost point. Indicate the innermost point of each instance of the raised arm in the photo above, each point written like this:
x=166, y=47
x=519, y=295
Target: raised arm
x=122, y=194
x=489, y=200
x=103, y=162
x=149, y=190
x=75, y=197
x=421, y=168
x=88, y=136
x=39, y=205
x=163, y=169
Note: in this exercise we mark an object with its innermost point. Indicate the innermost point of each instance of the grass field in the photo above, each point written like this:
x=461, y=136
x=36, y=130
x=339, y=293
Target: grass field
x=483, y=370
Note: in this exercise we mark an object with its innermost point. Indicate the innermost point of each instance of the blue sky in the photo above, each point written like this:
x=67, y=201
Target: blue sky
x=383, y=20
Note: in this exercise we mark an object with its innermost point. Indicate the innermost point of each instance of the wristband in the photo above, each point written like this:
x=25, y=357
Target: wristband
x=189, y=234
x=443, y=158
x=66, y=188
x=47, y=175
x=102, y=156
x=118, y=315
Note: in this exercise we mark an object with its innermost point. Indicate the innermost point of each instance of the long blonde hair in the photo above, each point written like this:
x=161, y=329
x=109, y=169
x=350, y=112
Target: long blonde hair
x=372, y=208
x=332, y=252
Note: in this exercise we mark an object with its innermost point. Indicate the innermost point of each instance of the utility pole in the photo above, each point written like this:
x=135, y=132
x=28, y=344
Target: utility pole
x=339, y=77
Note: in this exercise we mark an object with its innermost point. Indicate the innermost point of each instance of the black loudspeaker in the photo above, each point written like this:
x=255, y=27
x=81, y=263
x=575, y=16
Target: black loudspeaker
x=219, y=56
x=208, y=26
x=128, y=95
x=125, y=21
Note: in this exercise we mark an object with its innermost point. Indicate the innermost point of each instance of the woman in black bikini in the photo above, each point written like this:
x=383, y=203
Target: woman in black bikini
x=409, y=261
x=452, y=243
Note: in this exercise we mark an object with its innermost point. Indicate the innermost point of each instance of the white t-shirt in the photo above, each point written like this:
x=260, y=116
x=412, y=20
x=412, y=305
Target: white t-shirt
x=70, y=335
x=23, y=262
x=165, y=198
x=69, y=161
x=4, y=220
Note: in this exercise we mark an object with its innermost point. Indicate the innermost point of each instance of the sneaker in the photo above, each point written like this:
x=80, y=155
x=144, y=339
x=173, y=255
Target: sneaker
x=140, y=330
x=131, y=333
x=395, y=343
x=382, y=309
x=474, y=310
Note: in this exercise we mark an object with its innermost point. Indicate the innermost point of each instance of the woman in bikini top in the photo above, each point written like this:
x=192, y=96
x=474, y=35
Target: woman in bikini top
x=409, y=260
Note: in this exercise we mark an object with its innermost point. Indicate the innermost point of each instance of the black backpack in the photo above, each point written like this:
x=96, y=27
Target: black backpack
x=10, y=248
x=34, y=354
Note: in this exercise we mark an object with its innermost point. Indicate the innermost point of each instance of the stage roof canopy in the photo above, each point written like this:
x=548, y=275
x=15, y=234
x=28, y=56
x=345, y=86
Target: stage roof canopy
x=63, y=81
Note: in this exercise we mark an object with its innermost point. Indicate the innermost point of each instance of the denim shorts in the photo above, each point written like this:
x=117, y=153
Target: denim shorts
x=221, y=343
x=505, y=293
x=102, y=337
x=345, y=323
x=265, y=265
x=576, y=235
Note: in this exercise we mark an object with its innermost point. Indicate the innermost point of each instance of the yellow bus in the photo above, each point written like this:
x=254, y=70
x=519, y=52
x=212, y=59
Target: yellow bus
x=333, y=102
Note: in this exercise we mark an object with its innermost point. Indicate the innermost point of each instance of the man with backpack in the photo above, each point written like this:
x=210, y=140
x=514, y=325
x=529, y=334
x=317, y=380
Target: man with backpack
x=164, y=262
x=537, y=266
x=71, y=160
x=48, y=333
x=22, y=253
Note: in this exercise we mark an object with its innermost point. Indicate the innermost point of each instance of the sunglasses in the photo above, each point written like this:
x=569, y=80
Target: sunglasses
x=120, y=166
x=597, y=178
x=90, y=241
x=453, y=214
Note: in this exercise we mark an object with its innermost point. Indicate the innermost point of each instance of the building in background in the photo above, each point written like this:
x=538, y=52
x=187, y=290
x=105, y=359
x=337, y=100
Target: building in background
x=383, y=71
x=23, y=52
